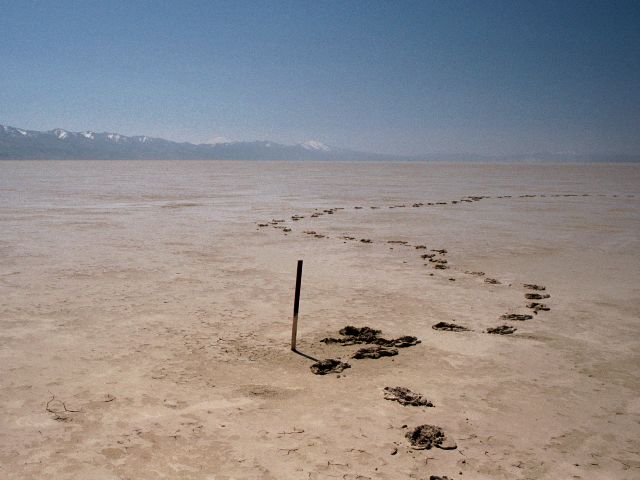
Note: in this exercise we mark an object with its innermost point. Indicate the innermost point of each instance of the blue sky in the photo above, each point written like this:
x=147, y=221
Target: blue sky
x=396, y=77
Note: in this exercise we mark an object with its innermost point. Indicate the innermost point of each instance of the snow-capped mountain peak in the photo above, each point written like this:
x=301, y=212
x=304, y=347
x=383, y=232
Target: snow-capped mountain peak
x=88, y=134
x=13, y=131
x=315, y=145
x=60, y=133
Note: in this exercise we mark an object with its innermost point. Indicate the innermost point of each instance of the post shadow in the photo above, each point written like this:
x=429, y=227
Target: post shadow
x=295, y=350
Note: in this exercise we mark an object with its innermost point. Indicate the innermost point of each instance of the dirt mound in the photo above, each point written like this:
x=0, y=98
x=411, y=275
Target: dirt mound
x=533, y=286
x=375, y=352
x=475, y=274
x=520, y=317
x=329, y=365
x=400, y=342
x=350, y=331
x=449, y=327
x=404, y=396
x=502, y=330
x=536, y=296
x=538, y=307
x=428, y=436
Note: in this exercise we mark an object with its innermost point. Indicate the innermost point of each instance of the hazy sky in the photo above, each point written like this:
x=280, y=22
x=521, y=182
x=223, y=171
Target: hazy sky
x=394, y=77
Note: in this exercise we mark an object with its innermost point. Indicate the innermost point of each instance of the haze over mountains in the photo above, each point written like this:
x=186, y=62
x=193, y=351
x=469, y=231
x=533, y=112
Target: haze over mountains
x=60, y=144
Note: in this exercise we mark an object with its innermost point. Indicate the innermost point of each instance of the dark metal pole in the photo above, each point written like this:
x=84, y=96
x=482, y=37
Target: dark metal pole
x=296, y=305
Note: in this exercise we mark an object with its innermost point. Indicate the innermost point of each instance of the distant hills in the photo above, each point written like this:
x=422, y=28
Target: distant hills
x=60, y=144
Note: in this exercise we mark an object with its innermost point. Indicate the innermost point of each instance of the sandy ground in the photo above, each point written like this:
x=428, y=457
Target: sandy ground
x=146, y=318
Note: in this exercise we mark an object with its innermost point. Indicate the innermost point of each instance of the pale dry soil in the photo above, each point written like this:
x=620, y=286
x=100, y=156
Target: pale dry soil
x=145, y=320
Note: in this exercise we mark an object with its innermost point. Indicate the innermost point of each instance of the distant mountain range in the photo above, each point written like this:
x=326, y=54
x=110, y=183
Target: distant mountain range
x=60, y=144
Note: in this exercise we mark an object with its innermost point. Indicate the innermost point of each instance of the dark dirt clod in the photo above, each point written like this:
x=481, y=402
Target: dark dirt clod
x=404, y=396
x=536, y=296
x=351, y=331
x=428, y=436
x=427, y=255
x=520, y=317
x=502, y=330
x=365, y=240
x=538, y=307
x=449, y=327
x=438, y=477
x=375, y=352
x=440, y=266
x=400, y=342
x=441, y=251
x=492, y=281
x=533, y=286
x=329, y=365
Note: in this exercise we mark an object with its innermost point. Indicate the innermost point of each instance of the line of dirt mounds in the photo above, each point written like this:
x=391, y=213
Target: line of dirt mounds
x=367, y=335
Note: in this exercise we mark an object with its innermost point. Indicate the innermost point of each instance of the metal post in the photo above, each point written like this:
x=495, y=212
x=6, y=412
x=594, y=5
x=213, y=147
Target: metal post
x=296, y=305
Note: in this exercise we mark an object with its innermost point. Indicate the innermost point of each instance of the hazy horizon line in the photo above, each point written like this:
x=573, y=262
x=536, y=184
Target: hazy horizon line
x=480, y=157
